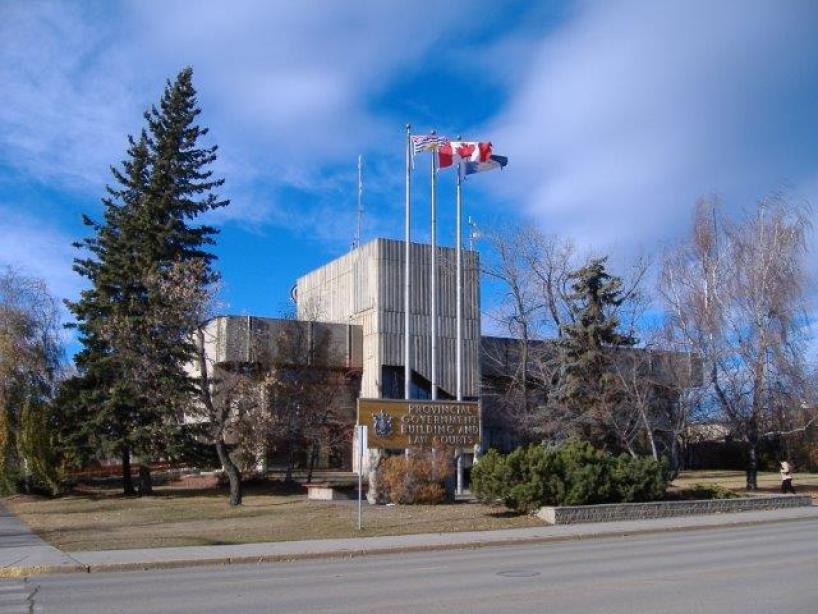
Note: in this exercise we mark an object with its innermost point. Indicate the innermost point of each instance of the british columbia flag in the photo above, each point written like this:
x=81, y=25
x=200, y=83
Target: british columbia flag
x=427, y=142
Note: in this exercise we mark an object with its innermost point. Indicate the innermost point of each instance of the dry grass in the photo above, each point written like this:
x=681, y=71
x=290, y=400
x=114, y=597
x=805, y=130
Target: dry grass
x=104, y=520
x=768, y=482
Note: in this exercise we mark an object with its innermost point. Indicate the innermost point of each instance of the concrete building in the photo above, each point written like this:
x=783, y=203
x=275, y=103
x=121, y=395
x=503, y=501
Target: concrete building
x=365, y=288
x=326, y=353
x=355, y=306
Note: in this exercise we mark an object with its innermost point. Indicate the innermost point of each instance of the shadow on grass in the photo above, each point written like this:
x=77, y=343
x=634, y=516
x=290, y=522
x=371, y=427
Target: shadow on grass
x=249, y=488
x=505, y=514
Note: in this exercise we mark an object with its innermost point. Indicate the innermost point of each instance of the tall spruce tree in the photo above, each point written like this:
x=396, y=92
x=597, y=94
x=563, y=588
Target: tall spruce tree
x=103, y=402
x=133, y=383
x=587, y=384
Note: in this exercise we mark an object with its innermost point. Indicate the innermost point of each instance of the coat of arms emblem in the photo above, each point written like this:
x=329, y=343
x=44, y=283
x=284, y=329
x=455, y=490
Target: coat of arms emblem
x=382, y=424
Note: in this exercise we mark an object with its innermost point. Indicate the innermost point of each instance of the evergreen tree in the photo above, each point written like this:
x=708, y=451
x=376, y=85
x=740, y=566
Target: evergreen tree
x=134, y=386
x=586, y=384
x=105, y=407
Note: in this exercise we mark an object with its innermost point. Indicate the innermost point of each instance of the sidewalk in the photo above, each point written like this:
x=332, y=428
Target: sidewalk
x=45, y=559
x=21, y=550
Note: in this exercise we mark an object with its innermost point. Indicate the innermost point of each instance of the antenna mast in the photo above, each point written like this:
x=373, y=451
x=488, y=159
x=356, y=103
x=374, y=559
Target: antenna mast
x=360, y=211
x=474, y=232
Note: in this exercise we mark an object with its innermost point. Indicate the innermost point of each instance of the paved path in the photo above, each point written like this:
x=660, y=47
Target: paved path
x=20, y=548
x=770, y=568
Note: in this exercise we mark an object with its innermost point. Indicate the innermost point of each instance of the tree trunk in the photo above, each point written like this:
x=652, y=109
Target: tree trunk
x=288, y=477
x=27, y=485
x=649, y=432
x=145, y=481
x=233, y=475
x=313, y=459
x=127, y=482
x=675, y=458
x=752, y=467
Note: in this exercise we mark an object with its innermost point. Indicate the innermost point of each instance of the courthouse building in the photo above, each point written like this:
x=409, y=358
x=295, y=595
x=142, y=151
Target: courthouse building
x=353, y=307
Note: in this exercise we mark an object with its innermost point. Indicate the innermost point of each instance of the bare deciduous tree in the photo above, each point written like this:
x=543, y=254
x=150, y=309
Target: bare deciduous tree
x=306, y=395
x=735, y=296
x=534, y=272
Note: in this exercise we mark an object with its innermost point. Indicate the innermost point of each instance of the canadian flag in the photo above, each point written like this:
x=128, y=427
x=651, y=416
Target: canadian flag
x=469, y=151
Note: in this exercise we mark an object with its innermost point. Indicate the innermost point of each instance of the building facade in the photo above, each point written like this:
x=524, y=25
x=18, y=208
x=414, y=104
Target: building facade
x=365, y=287
x=353, y=308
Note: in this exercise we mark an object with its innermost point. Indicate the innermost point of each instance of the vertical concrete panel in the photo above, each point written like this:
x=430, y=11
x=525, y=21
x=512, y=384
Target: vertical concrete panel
x=366, y=287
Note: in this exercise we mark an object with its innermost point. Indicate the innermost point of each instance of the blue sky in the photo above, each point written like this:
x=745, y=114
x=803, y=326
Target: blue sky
x=616, y=117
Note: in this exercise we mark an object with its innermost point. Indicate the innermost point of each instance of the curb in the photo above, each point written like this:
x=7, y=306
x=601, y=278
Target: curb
x=20, y=572
x=10, y=572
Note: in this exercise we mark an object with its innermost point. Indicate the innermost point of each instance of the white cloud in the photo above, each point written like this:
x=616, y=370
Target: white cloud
x=285, y=87
x=39, y=249
x=61, y=119
x=633, y=110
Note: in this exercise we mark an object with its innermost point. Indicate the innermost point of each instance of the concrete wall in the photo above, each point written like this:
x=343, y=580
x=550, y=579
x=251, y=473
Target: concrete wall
x=365, y=287
x=662, y=509
x=265, y=341
x=335, y=350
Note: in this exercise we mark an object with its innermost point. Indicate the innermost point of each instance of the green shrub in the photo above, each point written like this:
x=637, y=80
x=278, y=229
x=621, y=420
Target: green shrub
x=572, y=474
x=526, y=476
x=488, y=479
x=585, y=473
x=640, y=479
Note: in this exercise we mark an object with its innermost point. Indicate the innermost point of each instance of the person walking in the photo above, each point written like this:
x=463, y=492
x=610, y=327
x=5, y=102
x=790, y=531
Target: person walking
x=786, y=478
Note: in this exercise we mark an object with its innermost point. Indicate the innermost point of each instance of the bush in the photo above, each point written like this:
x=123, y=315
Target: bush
x=572, y=474
x=417, y=479
x=488, y=480
x=640, y=479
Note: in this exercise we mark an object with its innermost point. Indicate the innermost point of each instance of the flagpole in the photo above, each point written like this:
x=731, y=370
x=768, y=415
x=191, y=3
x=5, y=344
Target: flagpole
x=459, y=284
x=459, y=307
x=433, y=282
x=407, y=370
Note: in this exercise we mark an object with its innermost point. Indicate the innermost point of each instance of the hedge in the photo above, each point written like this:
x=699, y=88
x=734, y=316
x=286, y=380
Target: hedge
x=572, y=474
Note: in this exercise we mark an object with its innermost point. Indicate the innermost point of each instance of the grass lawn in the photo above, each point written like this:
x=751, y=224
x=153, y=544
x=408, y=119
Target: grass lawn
x=768, y=482
x=104, y=520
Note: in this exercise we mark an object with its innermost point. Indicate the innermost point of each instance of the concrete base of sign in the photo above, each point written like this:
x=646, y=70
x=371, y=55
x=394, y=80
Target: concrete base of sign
x=326, y=492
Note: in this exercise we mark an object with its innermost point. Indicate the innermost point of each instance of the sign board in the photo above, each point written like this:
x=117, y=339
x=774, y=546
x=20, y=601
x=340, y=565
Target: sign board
x=418, y=423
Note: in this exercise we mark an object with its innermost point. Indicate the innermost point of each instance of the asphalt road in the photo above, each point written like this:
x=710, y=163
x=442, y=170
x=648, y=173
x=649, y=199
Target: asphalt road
x=765, y=568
